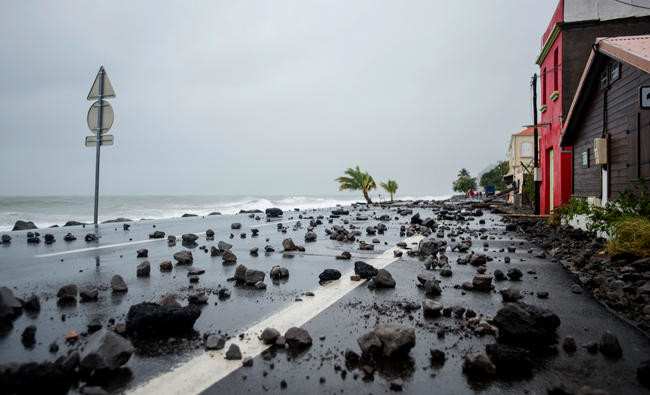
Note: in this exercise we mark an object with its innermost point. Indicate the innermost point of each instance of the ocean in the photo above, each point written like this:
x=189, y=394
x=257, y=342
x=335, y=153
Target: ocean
x=46, y=211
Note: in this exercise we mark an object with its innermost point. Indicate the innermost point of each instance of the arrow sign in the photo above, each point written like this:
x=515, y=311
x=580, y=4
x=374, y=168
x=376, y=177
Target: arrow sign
x=108, y=88
x=107, y=139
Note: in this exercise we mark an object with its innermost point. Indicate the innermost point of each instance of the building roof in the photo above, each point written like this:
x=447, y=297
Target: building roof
x=527, y=131
x=634, y=50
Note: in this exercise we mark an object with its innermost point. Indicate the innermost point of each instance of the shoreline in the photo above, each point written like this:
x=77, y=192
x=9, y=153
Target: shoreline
x=188, y=212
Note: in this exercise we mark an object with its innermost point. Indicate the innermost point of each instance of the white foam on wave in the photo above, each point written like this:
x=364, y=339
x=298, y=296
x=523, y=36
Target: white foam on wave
x=47, y=212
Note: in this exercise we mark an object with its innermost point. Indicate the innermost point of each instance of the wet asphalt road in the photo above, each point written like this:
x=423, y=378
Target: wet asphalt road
x=26, y=271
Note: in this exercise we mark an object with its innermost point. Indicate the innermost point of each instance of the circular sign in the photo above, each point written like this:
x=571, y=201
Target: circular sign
x=107, y=116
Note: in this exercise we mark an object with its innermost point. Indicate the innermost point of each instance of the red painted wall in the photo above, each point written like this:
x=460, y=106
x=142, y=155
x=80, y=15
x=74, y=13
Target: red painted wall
x=551, y=118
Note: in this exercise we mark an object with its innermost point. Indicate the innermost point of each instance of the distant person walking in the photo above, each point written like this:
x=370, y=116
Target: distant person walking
x=471, y=193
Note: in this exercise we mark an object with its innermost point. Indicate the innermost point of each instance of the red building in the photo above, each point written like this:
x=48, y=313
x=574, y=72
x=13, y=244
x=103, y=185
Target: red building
x=566, y=45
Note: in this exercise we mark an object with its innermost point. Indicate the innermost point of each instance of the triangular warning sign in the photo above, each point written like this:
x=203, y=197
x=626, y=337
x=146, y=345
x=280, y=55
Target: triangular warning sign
x=108, y=91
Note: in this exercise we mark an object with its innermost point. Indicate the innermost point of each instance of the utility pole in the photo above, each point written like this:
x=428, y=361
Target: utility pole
x=536, y=179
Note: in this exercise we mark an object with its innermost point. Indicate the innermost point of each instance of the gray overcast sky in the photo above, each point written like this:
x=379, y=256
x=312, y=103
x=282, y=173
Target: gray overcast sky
x=261, y=97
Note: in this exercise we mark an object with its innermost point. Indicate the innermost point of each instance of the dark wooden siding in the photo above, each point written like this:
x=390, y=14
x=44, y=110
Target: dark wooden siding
x=629, y=146
x=577, y=40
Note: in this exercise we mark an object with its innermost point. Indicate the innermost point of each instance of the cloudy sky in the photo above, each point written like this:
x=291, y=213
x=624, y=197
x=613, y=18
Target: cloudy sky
x=261, y=97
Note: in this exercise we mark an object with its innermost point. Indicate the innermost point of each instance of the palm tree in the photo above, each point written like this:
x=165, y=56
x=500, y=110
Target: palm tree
x=463, y=173
x=390, y=187
x=357, y=180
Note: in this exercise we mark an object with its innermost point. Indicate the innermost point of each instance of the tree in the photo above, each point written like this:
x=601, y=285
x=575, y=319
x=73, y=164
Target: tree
x=390, y=187
x=495, y=176
x=357, y=180
x=464, y=182
x=463, y=173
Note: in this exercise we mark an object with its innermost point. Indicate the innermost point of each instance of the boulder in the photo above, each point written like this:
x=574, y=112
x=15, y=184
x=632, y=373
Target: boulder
x=511, y=294
x=118, y=284
x=166, y=266
x=223, y=246
x=445, y=271
x=288, y=245
x=143, y=269
x=278, y=272
x=28, y=337
x=240, y=273
x=273, y=212
x=477, y=259
x=432, y=288
x=168, y=300
x=189, y=238
x=233, y=352
x=364, y=270
x=428, y=247
x=157, y=235
x=252, y=277
x=215, y=342
x=498, y=275
x=184, y=257
x=479, y=363
x=297, y=338
x=384, y=279
x=143, y=253
x=423, y=277
x=235, y=225
x=89, y=294
x=395, y=339
x=146, y=320
x=32, y=304
x=369, y=343
x=67, y=293
x=609, y=345
x=228, y=257
x=514, y=274
x=329, y=275
x=6, y=239
x=106, y=350
x=510, y=360
x=310, y=236
x=10, y=306
x=69, y=237
x=24, y=225
x=431, y=308
x=34, y=378
x=269, y=335
x=526, y=325
x=482, y=282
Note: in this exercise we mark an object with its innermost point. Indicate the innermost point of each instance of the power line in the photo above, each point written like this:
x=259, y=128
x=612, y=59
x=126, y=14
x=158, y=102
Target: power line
x=633, y=5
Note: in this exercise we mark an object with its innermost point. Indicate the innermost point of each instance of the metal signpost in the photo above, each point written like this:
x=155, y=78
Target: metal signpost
x=100, y=119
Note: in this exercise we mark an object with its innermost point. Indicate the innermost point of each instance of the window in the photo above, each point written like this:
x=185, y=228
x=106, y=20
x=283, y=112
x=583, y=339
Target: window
x=526, y=149
x=603, y=80
x=543, y=86
x=585, y=158
x=614, y=71
x=556, y=71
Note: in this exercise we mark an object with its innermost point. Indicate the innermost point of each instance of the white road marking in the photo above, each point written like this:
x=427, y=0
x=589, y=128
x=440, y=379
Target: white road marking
x=128, y=243
x=201, y=372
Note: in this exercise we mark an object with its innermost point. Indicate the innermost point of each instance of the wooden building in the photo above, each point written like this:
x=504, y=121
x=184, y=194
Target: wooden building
x=608, y=123
x=565, y=48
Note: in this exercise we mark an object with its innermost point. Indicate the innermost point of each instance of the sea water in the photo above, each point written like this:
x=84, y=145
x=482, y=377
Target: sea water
x=46, y=211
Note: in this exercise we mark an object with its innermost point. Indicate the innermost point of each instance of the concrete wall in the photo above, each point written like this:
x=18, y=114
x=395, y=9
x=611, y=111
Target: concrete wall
x=584, y=10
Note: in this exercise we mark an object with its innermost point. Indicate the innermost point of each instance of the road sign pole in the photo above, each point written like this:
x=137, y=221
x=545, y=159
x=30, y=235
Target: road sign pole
x=99, y=139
